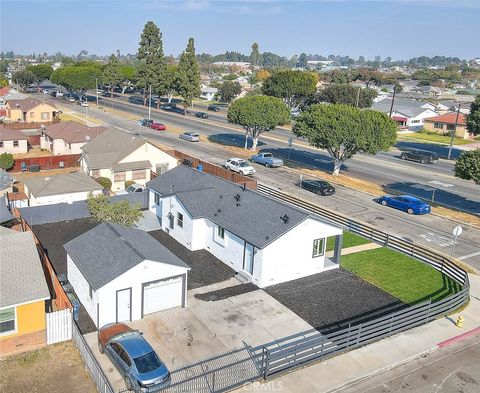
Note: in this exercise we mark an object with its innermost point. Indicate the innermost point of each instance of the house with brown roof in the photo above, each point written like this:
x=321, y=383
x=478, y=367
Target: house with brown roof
x=30, y=110
x=67, y=137
x=13, y=141
x=445, y=124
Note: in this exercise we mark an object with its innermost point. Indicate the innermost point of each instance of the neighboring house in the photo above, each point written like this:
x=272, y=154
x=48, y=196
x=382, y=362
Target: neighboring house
x=444, y=107
x=6, y=182
x=266, y=241
x=30, y=110
x=7, y=93
x=64, y=188
x=120, y=156
x=407, y=113
x=23, y=294
x=445, y=124
x=240, y=64
x=207, y=92
x=13, y=141
x=67, y=137
x=121, y=274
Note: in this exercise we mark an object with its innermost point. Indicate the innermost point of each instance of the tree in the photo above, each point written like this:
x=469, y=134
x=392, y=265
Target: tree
x=261, y=75
x=294, y=87
x=122, y=213
x=346, y=94
x=6, y=161
x=302, y=61
x=188, y=74
x=23, y=78
x=343, y=131
x=105, y=182
x=129, y=75
x=229, y=90
x=369, y=76
x=467, y=166
x=171, y=81
x=41, y=71
x=258, y=114
x=77, y=79
x=152, y=67
x=111, y=74
x=473, y=118
x=254, y=56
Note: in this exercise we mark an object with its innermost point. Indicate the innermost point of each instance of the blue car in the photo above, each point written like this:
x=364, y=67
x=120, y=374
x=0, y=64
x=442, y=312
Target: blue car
x=406, y=203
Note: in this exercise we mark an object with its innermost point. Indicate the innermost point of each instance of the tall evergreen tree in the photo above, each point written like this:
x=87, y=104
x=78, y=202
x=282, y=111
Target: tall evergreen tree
x=152, y=67
x=188, y=74
x=111, y=74
x=255, y=55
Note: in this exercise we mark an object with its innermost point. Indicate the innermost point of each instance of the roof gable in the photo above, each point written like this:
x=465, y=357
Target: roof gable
x=72, y=132
x=7, y=134
x=27, y=104
x=61, y=184
x=448, y=118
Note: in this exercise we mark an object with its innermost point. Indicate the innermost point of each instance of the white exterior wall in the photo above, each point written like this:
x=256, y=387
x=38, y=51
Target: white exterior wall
x=291, y=256
x=8, y=147
x=61, y=198
x=153, y=154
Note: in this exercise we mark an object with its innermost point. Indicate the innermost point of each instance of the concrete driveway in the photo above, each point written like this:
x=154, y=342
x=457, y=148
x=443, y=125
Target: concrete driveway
x=203, y=329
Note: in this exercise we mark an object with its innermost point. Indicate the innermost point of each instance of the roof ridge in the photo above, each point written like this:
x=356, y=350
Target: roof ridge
x=130, y=245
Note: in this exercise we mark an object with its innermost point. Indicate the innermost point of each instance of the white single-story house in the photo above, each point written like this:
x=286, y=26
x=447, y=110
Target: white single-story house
x=265, y=240
x=13, y=141
x=207, y=92
x=120, y=156
x=121, y=274
x=64, y=188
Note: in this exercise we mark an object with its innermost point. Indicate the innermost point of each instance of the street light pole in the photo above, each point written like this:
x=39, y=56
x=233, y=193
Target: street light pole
x=149, y=101
x=96, y=89
x=393, y=99
x=454, y=132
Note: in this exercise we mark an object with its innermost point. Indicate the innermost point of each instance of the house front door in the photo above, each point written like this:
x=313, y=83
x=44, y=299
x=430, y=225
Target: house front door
x=124, y=298
x=248, y=258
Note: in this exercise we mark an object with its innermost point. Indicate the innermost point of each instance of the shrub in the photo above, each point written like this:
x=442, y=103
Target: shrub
x=128, y=183
x=105, y=182
x=6, y=161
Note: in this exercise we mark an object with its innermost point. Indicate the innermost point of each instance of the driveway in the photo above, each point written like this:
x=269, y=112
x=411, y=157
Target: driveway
x=331, y=300
x=184, y=335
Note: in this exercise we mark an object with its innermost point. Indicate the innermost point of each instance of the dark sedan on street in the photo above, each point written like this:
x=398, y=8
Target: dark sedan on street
x=406, y=203
x=201, y=115
x=213, y=108
x=134, y=358
x=319, y=187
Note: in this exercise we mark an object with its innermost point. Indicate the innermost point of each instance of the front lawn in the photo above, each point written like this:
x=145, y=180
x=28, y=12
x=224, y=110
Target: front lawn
x=403, y=277
x=435, y=138
x=349, y=240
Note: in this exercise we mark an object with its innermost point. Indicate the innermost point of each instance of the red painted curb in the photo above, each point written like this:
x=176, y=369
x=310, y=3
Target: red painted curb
x=460, y=337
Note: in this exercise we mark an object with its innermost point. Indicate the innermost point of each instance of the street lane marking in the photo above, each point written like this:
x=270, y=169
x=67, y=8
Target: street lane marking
x=439, y=183
x=469, y=256
x=438, y=240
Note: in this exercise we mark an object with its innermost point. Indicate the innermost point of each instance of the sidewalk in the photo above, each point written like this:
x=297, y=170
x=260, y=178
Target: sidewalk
x=335, y=373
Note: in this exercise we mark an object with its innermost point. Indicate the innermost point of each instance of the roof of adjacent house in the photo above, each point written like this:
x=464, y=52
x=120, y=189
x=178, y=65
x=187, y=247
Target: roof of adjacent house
x=72, y=132
x=407, y=107
x=66, y=183
x=248, y=214
x=5, y=180
x=7, y=134
x=22, y=279
x=27, y=104
x=110, y=147
x=448, y=118
x=4, y=91
x=5, y=214
x=109, y=250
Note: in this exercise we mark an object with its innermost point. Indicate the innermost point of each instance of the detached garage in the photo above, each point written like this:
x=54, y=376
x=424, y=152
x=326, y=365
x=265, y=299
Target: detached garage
x=121, y=274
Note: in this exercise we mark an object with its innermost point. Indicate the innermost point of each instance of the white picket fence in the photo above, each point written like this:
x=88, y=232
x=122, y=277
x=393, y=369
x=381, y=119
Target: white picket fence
x=59, y=326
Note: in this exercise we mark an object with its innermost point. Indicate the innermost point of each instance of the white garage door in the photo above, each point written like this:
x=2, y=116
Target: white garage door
x=162, y=295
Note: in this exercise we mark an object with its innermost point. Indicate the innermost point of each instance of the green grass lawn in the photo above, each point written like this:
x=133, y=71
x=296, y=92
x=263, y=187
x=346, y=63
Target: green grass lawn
x=435, y=138
x=403, y=277
x=349, y=240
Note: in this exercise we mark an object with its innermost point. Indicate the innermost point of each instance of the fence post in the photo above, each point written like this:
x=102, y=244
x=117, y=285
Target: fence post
x=265, y=363
x=213, y=381
x=348, y=337
x=359, y=334
x=387, y=238
x=391, y=323
x=428, y=309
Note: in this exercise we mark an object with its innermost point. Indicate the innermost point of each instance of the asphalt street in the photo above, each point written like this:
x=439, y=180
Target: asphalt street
x=430, y=230
x=386, y=169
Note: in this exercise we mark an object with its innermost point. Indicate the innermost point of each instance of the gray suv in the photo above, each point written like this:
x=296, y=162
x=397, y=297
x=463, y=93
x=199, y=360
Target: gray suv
x=422, y=156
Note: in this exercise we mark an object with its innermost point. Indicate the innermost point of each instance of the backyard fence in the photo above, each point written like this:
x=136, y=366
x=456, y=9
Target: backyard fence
x=59, y=326
x=91, y=363
x=48, y=162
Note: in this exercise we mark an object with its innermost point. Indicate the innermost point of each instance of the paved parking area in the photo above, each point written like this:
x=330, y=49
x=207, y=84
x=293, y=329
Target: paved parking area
x=331, y=300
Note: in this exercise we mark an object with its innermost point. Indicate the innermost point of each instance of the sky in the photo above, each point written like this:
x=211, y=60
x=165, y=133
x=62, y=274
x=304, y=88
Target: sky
x=401, y=29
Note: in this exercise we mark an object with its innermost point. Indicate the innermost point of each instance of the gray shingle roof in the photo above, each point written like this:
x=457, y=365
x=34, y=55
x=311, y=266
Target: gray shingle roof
x=254, y=218
x=65, y=183
x=128, y=166
x=5, y=180
x=109, y=250
x=5, y=215
x=110, y=147
x=21, y=275
x=408, y=107
x=72, y=132
x=7, y=134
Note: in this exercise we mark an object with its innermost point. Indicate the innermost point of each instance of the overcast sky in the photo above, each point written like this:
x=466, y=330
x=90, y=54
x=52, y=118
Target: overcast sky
x=398, y=28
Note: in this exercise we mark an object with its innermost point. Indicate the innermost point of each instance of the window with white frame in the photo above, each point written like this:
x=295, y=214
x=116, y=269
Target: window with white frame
x=95, y=172
x=119, y=176
x=138, y=174
x=438, y=125
x=156, y=198
x=45, y=115
x=7, y=320
x=219, y=235
x=180, y=220
x=15, y=143
x=318, y=247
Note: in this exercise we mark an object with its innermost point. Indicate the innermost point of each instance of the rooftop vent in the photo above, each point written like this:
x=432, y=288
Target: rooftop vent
x=285, y=219
x=244, y=186
x=237, y=197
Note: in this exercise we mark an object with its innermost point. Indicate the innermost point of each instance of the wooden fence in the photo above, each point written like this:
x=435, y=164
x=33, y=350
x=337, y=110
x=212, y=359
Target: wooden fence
x=29, y=126
x=48, y=162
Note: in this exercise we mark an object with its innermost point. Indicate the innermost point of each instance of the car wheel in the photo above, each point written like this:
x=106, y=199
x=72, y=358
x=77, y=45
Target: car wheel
x=422, y=161
x=410, y=210
x=268, y=165
x=384, y=202
x=100, y=347
x=129, y=383
x=403, y=157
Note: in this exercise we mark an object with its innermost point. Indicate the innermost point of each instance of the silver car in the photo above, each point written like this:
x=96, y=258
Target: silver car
x=190, y=136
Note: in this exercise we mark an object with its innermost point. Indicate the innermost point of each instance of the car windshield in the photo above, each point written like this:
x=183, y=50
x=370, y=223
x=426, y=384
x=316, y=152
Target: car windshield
x=194, y=134
x=324, y=184
x=147, y=363
x=243, y=164
x=131, y=189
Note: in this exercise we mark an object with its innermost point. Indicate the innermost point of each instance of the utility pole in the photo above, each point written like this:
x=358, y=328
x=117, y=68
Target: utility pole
x=149, y=101
x=96, y=89
x=454, y=131
x=393, y=99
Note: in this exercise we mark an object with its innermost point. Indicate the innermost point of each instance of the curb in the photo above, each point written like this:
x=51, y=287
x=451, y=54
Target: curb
x=460, y=337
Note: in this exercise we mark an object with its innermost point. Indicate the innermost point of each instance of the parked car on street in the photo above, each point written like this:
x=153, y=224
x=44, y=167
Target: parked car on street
x=168, y=107
x=201, y=115
x=145, y=122
x=158, y=126
x=190, y=136
x=422, y=156
x=406, y=203
x=134, y=358
x=213, y=108
x=267, y=159
x=83, y=103
x=240, y=166
x=320, y=187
